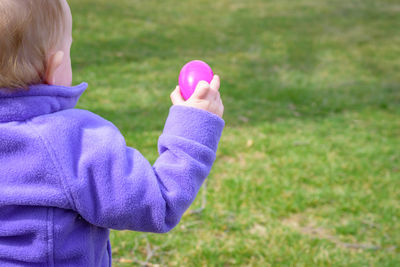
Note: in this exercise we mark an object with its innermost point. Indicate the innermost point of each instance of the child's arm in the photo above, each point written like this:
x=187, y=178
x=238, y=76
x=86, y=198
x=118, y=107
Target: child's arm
x=114, y=186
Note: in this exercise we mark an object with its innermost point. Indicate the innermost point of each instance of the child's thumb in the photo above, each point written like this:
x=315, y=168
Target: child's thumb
x=176, y=96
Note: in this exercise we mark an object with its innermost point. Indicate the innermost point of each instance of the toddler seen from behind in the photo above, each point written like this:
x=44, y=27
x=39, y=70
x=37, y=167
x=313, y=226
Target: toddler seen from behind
x=66, y=174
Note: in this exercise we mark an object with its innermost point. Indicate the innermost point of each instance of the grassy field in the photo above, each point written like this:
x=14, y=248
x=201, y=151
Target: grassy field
x=308, y=168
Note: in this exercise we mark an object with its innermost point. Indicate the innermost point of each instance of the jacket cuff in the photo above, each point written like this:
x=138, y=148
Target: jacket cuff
x=195, y=124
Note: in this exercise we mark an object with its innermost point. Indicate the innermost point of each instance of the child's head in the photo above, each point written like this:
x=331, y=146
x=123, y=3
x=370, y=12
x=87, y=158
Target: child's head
x=35, y=41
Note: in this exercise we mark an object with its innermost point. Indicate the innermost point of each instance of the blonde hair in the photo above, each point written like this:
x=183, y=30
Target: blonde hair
x=29, y=29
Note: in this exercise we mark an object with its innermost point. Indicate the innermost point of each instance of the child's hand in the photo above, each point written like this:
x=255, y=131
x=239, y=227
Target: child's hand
x=206, y=97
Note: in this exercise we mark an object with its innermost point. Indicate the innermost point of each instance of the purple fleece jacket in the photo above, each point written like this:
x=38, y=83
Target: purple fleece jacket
x=67, y=176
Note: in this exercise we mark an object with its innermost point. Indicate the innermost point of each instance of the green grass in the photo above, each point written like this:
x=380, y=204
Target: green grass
x=308, y=168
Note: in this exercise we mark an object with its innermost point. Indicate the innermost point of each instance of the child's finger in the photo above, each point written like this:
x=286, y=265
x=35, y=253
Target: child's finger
x=176, y=96
x=215, y=83
x=201, y=90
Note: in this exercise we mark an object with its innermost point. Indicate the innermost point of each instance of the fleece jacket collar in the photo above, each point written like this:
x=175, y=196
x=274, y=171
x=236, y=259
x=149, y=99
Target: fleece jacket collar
x=38, y=100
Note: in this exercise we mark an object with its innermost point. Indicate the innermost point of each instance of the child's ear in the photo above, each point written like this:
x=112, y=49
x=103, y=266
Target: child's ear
x=52, y=65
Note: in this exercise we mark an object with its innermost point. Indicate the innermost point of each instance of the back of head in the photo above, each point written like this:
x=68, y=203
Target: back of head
x=29, y=30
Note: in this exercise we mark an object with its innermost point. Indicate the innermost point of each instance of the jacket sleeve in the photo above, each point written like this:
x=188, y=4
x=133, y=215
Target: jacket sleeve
x=111, y=185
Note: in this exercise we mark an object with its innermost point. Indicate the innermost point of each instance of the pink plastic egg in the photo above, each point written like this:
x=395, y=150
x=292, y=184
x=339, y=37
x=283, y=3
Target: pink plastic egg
x=192, y=73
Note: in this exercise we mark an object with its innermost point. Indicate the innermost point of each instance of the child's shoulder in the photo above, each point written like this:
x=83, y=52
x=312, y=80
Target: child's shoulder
x=72, y=118
x=74, y=125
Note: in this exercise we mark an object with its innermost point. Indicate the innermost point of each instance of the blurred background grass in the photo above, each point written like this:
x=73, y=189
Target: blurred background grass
x=308, y=168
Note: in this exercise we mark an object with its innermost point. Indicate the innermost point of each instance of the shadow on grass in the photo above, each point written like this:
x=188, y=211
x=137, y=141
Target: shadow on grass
x=277, y=104
x=272, y=106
